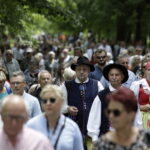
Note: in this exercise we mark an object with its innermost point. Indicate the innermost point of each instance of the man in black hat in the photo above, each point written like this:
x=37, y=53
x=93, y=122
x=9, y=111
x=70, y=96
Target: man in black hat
x=80, y=93
x=98, y=123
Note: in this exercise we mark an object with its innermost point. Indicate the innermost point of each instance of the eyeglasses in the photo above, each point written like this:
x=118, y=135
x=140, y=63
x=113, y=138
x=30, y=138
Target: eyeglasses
x=100, y=57
x=51, y=100
x=115, y=112
x=17, y=83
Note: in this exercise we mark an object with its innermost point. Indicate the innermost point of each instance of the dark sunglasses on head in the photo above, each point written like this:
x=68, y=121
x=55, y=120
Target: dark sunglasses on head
x=100, y=57
x=115, y=112
x=51, y=100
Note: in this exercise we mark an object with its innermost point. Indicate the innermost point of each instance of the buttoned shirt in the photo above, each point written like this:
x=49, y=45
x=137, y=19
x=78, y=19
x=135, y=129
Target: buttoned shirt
x=70, y=137
x=27, y=139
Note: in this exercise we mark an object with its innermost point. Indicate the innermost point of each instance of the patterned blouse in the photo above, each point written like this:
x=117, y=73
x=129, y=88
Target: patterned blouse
x=142, y=143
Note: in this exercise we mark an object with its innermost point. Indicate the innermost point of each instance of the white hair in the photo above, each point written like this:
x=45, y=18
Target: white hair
x=69, y=74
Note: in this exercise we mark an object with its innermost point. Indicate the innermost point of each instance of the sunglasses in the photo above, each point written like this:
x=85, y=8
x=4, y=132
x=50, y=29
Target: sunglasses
x=100, y=57
x=51, y=100
x=115, y=112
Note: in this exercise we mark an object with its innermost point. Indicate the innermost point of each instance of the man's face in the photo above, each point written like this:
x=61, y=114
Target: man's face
x=45, y=79
x=101, y=58
x=82, y=72
x=18, y=85
x=9, y=57
x=115, y=77
x=13, y=119
x=124, y=62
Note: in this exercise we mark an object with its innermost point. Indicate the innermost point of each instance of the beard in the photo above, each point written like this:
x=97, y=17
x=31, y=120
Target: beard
x=101, y=63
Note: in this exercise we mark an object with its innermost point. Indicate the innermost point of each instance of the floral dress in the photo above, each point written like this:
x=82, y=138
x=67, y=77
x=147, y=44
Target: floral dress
x=142, y=143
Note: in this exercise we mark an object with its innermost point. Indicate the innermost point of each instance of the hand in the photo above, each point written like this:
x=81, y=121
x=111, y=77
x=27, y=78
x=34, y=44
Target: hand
x=73, y=110
x=147, y=106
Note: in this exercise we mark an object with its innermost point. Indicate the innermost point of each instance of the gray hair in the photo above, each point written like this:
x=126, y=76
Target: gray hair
x=18, y=73
x=42, y=72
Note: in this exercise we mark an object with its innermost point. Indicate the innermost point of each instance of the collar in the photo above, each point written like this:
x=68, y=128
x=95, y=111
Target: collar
x=78, y=81
x=111, y=88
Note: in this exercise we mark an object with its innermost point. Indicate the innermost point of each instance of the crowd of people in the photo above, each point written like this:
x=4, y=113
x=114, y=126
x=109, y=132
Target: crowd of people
x=75, y=94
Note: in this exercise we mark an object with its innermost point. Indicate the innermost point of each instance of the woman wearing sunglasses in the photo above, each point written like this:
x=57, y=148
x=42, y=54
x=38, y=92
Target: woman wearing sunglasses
x=63, y=133
x=121, y=110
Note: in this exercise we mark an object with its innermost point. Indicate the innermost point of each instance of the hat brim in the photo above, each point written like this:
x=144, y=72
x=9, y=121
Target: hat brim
x=117, y=66
x=92, y=68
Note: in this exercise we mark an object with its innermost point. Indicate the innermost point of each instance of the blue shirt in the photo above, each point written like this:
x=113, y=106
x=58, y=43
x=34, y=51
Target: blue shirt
x=70, y=138
x=33, y=106
x=97, y=73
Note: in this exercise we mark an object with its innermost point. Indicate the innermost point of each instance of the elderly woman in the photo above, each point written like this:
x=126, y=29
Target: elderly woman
x=121, y=110
x=141, y=89
x=62, y=132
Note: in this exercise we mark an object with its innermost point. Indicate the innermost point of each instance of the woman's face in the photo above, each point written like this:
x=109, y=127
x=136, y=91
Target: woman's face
x=118, y=116
x=51, y=104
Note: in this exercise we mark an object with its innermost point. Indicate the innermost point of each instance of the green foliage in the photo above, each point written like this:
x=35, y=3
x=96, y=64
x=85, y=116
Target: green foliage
x=105, y=18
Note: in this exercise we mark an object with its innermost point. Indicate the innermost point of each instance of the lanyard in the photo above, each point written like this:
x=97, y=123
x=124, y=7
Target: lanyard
x=62, y=127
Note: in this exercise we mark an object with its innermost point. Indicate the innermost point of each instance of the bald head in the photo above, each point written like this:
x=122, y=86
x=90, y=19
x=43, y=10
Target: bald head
x=13, y=102
x=14, y=115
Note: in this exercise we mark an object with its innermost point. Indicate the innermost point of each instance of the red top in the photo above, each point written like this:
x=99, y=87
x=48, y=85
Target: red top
x=143, y=97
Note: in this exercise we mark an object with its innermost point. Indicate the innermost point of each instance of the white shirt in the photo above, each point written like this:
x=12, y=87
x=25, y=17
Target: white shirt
x=94, y=121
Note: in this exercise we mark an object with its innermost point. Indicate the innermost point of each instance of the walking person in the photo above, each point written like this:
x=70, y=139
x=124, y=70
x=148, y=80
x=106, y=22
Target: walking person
x=61, y=131
x=121, y=111
x=80, y=93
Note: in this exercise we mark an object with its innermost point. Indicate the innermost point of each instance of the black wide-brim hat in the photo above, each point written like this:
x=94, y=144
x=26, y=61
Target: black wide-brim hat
x=123, y=69
x=83, y=61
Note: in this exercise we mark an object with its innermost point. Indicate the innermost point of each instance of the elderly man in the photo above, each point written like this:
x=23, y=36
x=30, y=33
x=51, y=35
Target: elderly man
x=123, y=60
x=44, y=78
x=18, y=84
x=13, y=135
x=98, y=122
x=80, y=93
